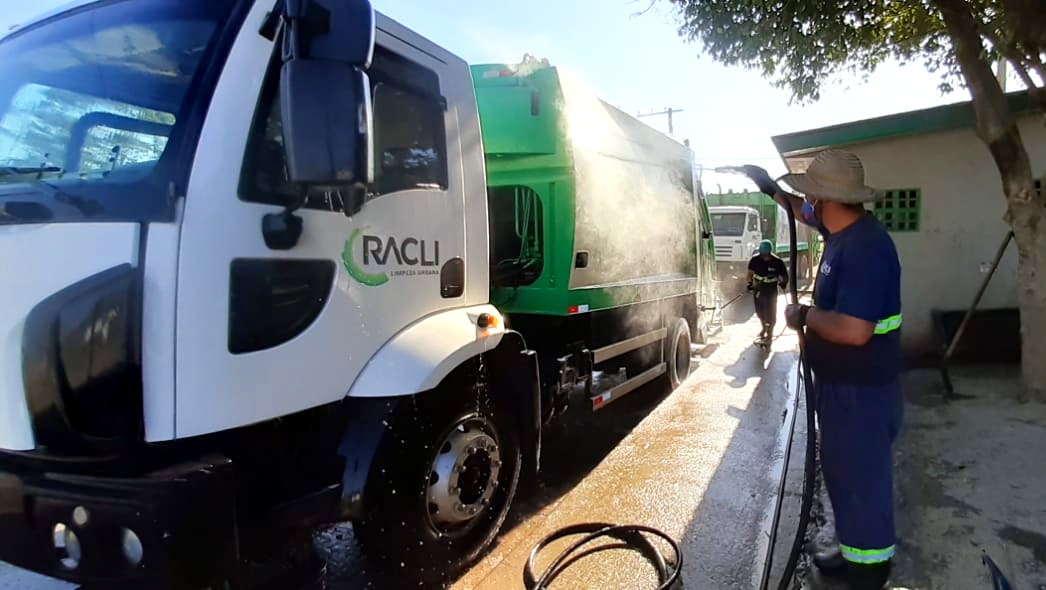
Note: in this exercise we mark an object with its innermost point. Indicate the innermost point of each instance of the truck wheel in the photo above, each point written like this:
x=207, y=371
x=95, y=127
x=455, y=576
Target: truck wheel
x=678, y=353
x=441, y=484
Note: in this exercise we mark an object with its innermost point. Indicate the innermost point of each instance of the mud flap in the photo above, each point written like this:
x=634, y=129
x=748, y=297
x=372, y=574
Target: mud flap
x=516, y=384
x=514, y=380
x=366, y=425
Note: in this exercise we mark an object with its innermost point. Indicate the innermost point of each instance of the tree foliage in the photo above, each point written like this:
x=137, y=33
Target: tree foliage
x=800, y=44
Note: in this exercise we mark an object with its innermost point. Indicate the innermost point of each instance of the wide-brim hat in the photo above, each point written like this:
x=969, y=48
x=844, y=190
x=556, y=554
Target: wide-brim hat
x=834, y=175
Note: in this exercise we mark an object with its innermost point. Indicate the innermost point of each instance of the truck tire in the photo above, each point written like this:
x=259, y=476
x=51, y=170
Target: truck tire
x=804, y=265
x=441, y=483
x=677, y=353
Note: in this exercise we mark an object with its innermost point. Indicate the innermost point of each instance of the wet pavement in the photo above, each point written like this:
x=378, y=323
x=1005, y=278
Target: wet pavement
x=702, y=464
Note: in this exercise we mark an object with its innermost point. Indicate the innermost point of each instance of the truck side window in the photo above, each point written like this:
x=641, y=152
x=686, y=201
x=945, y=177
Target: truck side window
x=409, y=144
x=517, y=233
x=753, y=223
x=409, y=137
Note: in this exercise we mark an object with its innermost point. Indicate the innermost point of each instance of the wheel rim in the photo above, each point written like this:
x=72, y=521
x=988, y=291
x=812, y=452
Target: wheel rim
x=463, y=475
x=682, y=368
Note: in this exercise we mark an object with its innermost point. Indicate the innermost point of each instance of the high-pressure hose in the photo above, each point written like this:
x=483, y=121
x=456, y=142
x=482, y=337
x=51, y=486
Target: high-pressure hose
x=809, y=477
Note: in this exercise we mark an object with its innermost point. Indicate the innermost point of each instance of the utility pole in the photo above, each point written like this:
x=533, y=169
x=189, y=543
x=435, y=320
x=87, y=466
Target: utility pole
x=668, y=111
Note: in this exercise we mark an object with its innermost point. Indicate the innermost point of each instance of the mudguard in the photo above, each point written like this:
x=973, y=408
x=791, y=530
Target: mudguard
x=421, y=356
x=513, y=371
x=516, y=384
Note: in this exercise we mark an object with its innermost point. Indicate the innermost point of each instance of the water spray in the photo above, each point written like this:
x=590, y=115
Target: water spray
x=803, y=374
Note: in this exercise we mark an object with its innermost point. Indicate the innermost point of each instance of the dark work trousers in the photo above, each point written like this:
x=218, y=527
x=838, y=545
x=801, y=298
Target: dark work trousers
x=766, y=305
x=858, y=425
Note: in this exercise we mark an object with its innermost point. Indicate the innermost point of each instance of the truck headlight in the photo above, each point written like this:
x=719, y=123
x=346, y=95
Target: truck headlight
x=81, y=361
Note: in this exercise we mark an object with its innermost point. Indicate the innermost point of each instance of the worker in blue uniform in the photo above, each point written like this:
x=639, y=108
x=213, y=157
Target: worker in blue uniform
x=853, y=347
x=766, y=273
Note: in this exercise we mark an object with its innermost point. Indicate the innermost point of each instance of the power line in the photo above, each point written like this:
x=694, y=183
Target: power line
x=668, y=111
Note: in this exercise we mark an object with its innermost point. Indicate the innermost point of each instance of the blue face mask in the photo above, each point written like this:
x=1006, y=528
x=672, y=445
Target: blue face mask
x=808, y=214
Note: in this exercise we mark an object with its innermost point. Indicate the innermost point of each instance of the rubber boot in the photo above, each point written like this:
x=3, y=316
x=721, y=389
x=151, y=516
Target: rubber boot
x=872, y=576
x=830, y=562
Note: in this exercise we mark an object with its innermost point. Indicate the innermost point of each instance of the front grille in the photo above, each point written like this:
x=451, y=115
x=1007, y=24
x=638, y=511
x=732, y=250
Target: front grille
x=724, y=251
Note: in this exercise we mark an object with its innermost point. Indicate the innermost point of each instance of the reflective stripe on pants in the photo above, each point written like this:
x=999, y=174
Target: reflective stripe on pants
x=856, y=555
x=858, y=425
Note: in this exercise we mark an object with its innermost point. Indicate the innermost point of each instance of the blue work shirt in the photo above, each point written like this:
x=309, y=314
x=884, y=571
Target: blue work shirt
x=861, y=277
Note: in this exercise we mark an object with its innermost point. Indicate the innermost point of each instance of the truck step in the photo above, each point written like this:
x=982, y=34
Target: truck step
x=602, y=400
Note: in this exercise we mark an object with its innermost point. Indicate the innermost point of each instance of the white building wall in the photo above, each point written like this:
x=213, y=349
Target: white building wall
x=961, y=223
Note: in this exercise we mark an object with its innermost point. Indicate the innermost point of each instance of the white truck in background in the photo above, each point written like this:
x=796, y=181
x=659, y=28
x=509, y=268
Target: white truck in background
x=741, y=220
x=736, y=232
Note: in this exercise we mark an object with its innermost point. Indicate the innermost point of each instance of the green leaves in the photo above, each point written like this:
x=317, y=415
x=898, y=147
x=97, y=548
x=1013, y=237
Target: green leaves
x=800, y=44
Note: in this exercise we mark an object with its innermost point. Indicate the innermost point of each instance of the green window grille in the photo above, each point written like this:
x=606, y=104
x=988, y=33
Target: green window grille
x=899, y=209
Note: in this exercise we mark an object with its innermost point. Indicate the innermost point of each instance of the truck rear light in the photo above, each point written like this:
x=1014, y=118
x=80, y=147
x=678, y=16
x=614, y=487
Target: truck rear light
x=81, y=362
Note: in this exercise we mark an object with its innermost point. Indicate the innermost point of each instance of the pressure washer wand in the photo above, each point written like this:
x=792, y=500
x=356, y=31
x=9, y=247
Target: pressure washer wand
x=811, y=439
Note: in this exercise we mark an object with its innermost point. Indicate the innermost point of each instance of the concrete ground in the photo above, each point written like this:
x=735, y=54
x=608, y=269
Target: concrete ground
x=702, y=464
x=969, y=481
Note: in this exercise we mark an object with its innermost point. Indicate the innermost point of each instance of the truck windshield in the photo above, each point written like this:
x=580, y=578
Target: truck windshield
x=94, y=104
x=728, y=224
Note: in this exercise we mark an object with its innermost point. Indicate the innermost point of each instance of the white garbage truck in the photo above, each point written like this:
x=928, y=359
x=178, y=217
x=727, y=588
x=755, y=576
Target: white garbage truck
x=247, y=282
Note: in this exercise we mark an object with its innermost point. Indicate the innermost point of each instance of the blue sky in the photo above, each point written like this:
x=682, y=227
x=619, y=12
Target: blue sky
x=640, y=64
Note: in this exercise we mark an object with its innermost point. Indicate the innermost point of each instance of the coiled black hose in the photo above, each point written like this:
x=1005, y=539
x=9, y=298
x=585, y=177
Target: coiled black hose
x=630, y=537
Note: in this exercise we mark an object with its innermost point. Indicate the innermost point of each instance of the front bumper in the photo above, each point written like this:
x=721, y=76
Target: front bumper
x=731, y=270
x=184, y=517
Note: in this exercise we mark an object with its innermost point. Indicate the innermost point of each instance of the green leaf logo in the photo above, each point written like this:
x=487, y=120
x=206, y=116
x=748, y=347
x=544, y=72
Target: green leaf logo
x=358, y=274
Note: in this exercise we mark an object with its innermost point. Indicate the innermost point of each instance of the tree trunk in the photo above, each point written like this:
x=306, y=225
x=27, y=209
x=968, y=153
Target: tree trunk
x=1030, y=233
x=997, y=127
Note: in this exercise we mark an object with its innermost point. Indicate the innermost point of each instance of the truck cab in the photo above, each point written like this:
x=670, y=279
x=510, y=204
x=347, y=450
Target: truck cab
x=737, y=231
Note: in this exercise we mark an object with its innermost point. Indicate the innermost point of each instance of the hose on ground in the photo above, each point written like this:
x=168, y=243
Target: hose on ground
x=633, y=537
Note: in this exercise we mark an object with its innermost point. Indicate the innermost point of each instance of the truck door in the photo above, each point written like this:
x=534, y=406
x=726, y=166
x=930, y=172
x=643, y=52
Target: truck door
x=706, y=257
x=264, y=332
x=753, y=233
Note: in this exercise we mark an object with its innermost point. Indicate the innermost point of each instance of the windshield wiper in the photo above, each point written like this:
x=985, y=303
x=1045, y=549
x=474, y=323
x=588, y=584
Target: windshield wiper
x=19, y=170
x=89, y=208
x=19, y=211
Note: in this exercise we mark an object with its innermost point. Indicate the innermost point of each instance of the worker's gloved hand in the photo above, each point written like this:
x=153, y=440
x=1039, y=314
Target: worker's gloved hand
x=761, y=179
x=750, y=287
x=795, y=315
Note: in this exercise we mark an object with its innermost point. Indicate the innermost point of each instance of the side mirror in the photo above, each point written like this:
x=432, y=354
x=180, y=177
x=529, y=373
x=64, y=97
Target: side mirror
x=325, y=92
x=326, y=112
